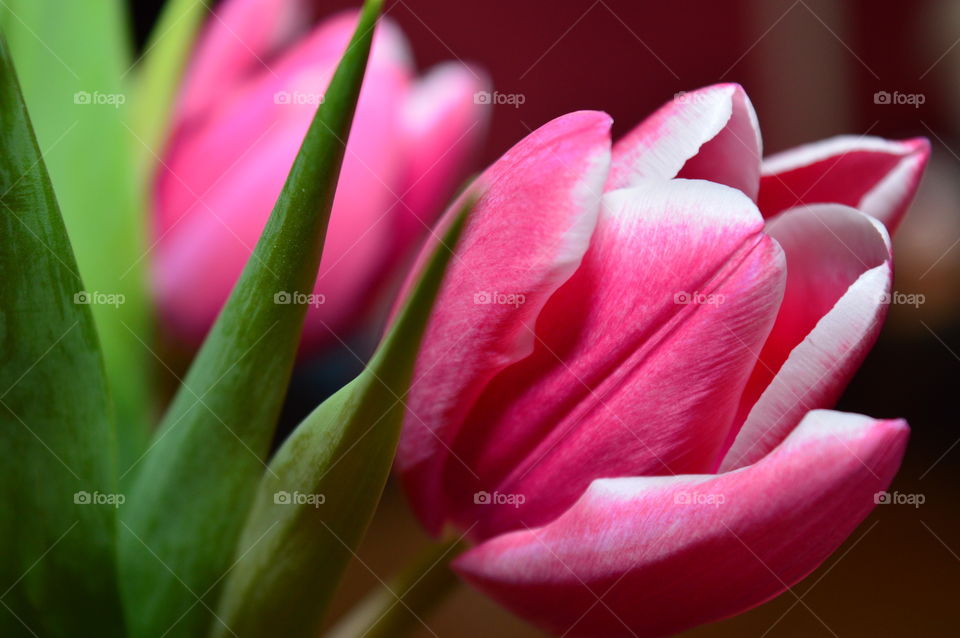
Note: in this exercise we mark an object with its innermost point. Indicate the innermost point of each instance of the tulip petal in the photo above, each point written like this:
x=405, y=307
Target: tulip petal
x=278, y=102
x=652, y=556
x=442, y=125
x=239, y=39
x=875, y=175
x=838, y=275
x=640, y=358
x=710, y=134
x=526, y=235
x=217, y=194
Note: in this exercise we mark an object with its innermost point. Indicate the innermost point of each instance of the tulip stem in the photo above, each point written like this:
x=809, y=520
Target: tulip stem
x=398, y=607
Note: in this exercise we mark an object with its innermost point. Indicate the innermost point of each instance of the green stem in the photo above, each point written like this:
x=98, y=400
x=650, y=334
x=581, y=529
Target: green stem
x=398, y=608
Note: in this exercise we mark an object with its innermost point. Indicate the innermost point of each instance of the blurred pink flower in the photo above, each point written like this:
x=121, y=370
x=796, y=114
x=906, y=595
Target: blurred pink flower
x=250, y=94
x=619, y=397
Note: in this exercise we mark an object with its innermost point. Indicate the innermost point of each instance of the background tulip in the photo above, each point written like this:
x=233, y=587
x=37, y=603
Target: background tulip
x=618, y=398
x=248, y=98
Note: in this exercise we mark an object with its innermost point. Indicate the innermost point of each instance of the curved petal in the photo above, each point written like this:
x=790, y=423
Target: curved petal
x=838, y=277
x=525, y=236
x=875, y=175
x=640, y=359
x=441, y=128
x=216, y=195
x=281, y=102
x=653, y=556
x=710, y=134
x=442, y=125
x=239, y=40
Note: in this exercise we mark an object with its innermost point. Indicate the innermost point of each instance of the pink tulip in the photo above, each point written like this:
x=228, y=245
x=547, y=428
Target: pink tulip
x=249, y=97
x=619, y=397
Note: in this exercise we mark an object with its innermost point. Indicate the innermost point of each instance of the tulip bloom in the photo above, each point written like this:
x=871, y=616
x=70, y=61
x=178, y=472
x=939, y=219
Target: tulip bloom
x=249, y=97
x=620, y=397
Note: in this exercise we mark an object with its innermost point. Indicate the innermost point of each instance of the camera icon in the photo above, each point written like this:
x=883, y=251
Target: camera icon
x=282, y=498
x=882, y=498
x=482, y=498
x=482, y=97
x=82, y=97
x=82, y=498
x=681, y=97
x=682, y=298
x=282, y=298
x=82, y=298
x=682, y=498
x=882, y=97
x=281, y=97
x=482, y=298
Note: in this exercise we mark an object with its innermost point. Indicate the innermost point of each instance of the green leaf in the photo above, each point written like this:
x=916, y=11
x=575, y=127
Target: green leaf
x=73, y=58
x=57, y=566
x=196, y=484
x=313, y=507
x=158, y=78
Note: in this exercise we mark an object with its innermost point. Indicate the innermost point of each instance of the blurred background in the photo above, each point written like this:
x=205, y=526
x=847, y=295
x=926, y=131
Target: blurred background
x=812, y=69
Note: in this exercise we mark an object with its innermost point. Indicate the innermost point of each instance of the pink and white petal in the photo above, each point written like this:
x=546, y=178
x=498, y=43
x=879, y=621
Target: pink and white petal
x=839, y=273
x=878, y=176
x=526, y=235
x=640, y=359
x=710, y=134
x=653, y=556
x=442, y=125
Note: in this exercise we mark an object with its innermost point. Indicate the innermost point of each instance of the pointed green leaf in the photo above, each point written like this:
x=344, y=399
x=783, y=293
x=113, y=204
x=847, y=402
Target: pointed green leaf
x=158, y=77
x=73, y=58
x=313, y=506
x=196, y=483
x=57, y=529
